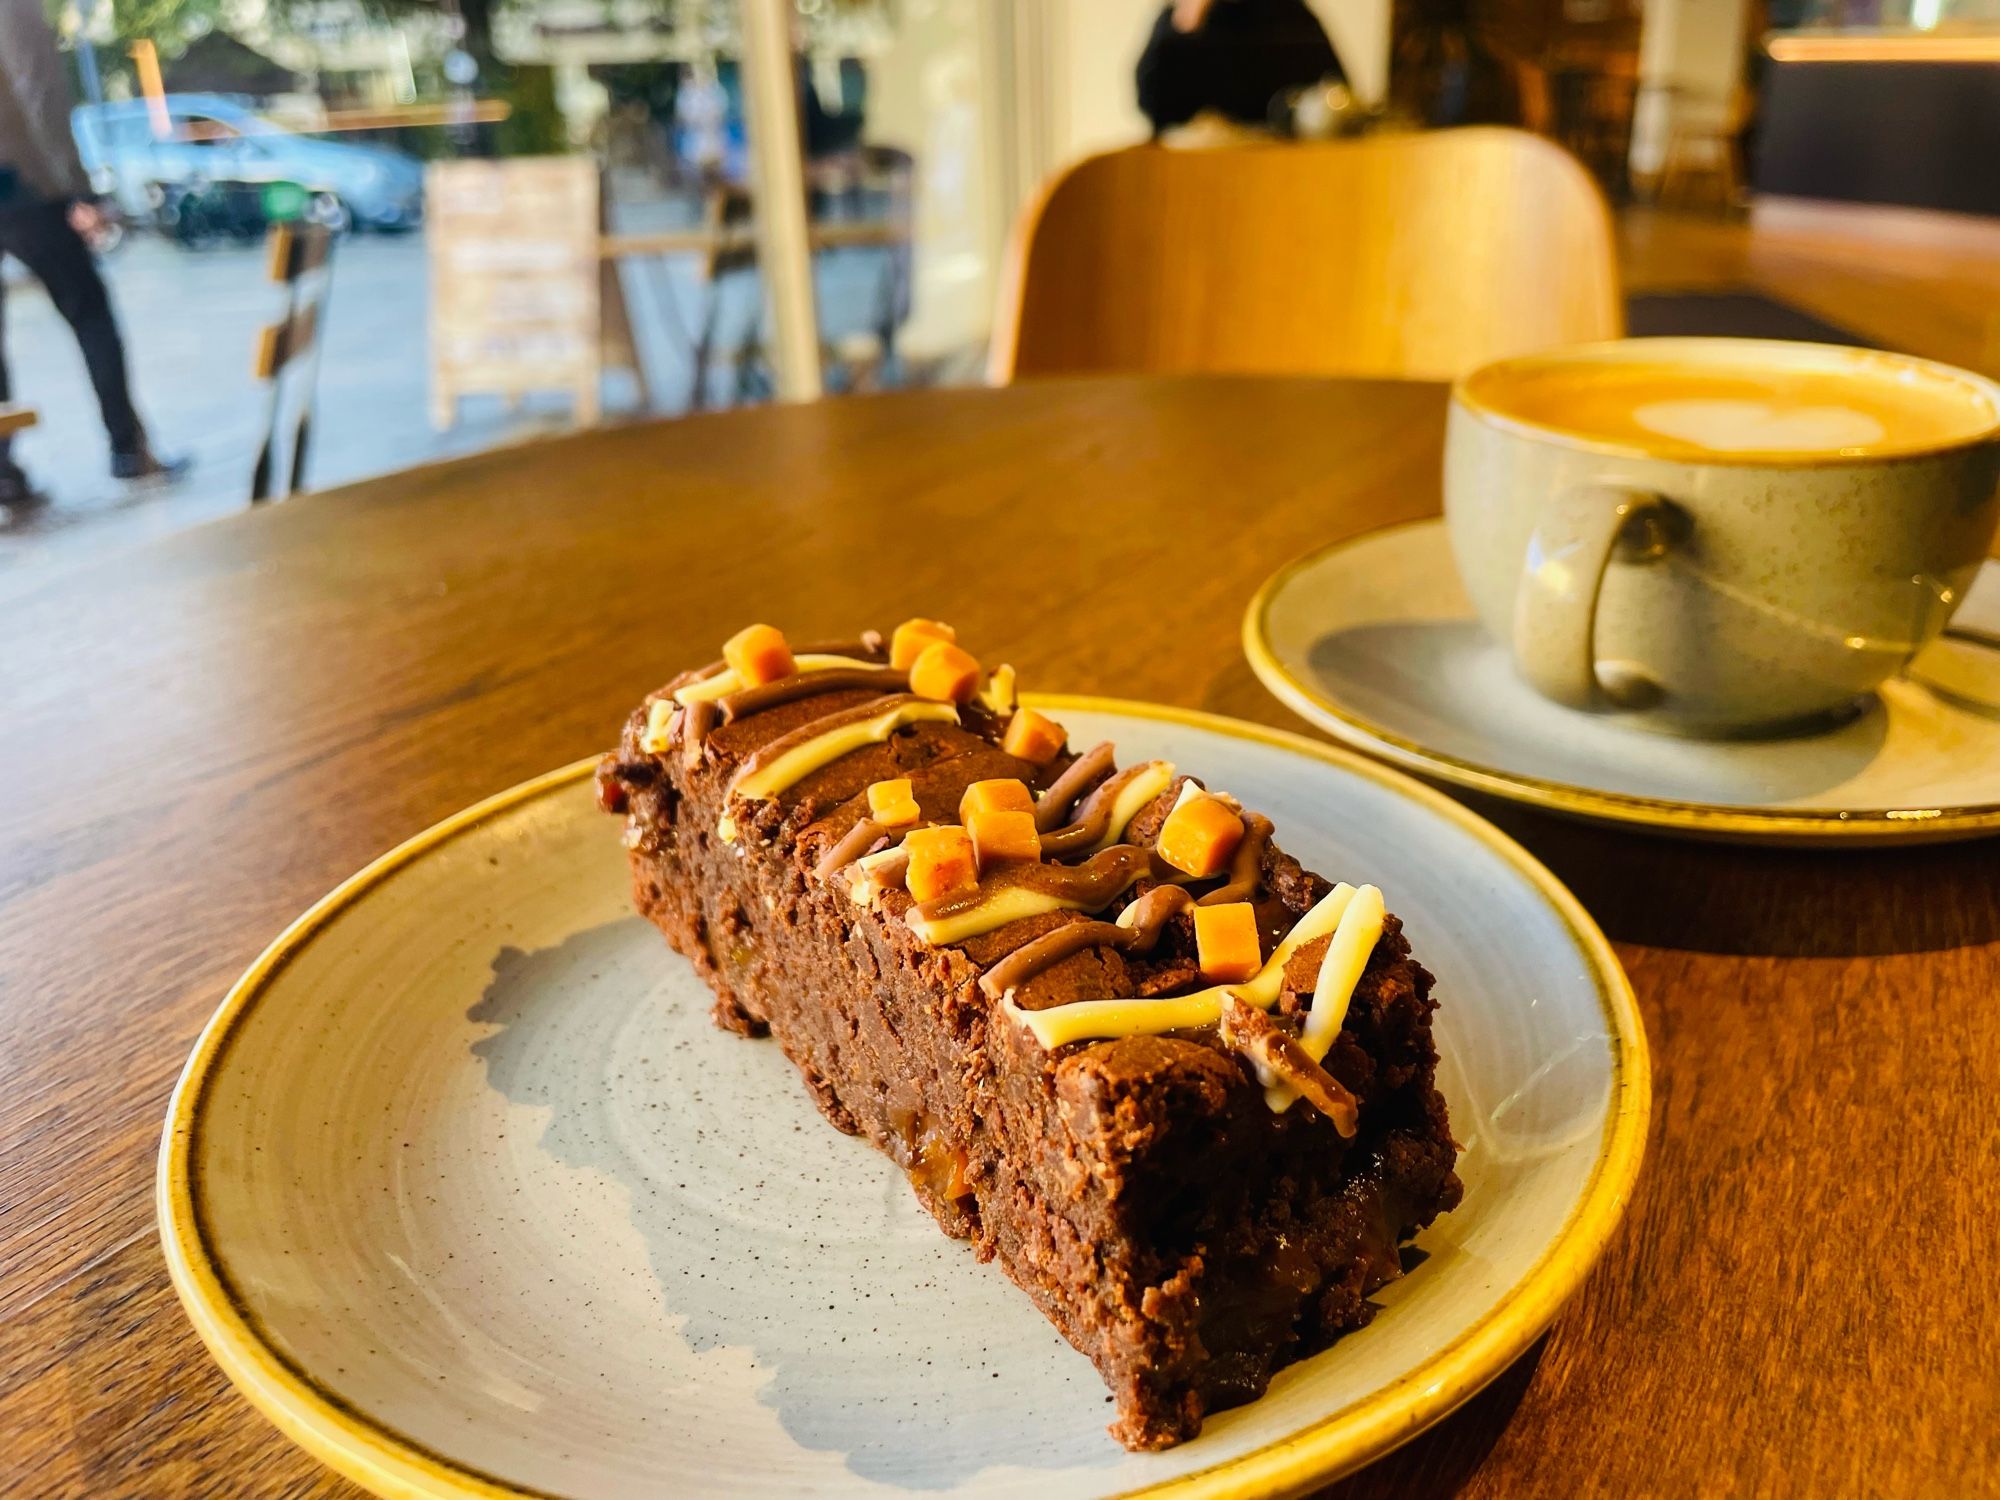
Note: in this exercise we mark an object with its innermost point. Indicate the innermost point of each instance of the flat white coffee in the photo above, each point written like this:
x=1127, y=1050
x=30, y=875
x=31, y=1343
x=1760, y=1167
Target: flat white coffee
x=1787, y=411
x=1725, y=425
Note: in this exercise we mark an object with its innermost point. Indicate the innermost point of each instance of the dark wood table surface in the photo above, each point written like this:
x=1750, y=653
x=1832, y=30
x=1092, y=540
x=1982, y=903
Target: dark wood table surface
x=200, y=736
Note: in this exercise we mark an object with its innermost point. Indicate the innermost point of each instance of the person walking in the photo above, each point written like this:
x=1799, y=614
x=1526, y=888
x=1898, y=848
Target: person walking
x=46, y=210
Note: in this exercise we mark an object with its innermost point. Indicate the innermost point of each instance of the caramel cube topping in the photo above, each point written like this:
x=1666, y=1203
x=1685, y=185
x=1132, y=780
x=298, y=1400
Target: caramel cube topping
x=942, y=863
x=945, y=673
x=891, y=803
x=1004, y=794
x=758, y=654
x=1200, y=835
x=1034, y=737
x=1225, y=940
x=908, y=643
x=1003, y=836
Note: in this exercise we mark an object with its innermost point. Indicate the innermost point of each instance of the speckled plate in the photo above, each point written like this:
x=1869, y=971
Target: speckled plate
x=1374, y=640
x=462, y=1189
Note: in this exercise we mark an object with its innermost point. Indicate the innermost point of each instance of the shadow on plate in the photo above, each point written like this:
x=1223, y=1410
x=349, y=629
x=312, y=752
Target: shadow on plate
x=1445, y=684
x=912, y=1403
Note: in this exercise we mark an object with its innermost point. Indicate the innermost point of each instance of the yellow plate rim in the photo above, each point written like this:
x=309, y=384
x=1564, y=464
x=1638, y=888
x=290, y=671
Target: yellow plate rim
x=375, y=1456
x=1796, y=825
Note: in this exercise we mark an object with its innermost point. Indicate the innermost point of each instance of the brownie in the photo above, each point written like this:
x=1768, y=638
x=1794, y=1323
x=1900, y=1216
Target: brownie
x=1145, y=1190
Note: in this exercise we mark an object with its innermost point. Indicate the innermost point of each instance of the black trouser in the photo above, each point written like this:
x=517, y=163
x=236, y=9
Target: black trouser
x=40, y=237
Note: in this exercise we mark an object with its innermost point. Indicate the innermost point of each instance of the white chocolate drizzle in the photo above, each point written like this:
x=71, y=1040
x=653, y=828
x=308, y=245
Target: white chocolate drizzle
x=822, y=749
x=998, y=694
x=1012, y=903
x=729, y=680
x=872, y=874
x=654, y=740
x=1084, y=1019
x=1340, y=970
x=1151, y=779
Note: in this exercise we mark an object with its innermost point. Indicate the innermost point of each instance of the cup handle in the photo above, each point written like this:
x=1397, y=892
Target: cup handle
x=1555, y=607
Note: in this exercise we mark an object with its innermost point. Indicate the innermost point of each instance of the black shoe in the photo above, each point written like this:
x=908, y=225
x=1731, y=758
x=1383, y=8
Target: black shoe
x=144, y=465
x=17, y=491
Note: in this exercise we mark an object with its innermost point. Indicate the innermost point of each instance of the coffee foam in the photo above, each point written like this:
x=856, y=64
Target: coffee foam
x=1737, y=426
x=1698, y=409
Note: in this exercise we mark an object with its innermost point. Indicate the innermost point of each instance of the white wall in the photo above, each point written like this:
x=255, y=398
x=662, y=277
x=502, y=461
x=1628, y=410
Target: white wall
x=940, y=91
x=1691, y=55
x=929, y=93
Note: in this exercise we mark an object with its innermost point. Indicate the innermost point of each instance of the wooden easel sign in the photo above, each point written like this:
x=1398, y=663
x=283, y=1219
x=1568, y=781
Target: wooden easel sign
x=514, y=281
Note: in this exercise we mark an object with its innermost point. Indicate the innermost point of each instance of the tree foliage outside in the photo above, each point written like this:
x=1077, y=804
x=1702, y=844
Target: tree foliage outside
x=168, y=24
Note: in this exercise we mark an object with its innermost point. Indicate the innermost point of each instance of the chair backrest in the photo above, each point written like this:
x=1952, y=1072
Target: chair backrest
x=301, y=257
x=1420, y=255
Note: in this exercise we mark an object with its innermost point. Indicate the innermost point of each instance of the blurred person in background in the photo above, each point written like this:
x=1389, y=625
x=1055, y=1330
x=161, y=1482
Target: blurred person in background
x=1231, y=58
x=46, y=210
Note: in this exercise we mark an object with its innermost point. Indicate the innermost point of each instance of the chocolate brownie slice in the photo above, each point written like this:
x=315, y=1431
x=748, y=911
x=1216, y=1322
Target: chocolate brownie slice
x=1197, y=1172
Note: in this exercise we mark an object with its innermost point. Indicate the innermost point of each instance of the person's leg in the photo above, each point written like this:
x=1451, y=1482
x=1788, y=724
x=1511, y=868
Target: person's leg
x=46, y=244
x=14, y=486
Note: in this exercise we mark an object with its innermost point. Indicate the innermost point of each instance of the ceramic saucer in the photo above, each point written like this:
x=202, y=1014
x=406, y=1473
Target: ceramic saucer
x=464, y=1190
x=1374, y=640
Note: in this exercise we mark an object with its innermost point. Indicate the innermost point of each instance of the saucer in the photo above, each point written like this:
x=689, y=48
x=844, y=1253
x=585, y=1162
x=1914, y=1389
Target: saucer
x=1374, y=641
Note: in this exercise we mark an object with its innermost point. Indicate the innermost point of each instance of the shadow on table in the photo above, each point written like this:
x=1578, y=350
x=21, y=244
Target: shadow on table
x=1729, y=898
x=1443, y=1460
x=1784, y=903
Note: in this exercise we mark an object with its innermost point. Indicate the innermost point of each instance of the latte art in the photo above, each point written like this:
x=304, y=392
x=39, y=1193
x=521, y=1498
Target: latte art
x=1785, y=408
x=1731, y=426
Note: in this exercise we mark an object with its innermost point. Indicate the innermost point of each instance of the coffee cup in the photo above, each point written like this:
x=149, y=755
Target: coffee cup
x=1719, y=536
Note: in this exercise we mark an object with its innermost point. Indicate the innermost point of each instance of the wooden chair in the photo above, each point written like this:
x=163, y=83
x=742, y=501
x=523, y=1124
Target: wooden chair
x=302, y=262
x=15, y=419
x=1401, y=255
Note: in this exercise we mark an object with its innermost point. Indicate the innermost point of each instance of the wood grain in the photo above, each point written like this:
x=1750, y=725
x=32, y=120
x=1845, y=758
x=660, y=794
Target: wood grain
x=201, y=736
x=1925, y=283
x=1422, y=255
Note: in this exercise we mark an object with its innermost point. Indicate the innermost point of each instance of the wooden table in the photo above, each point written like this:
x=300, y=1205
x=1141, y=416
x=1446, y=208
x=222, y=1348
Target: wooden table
x=201, y=736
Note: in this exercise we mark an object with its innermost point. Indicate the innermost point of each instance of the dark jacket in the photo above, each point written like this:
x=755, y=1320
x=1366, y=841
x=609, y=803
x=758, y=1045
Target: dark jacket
x=1244, y=55
x=38, y=160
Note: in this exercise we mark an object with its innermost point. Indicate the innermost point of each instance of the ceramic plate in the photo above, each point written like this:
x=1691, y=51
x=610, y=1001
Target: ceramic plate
x=464, y=1191
x=1373, y=640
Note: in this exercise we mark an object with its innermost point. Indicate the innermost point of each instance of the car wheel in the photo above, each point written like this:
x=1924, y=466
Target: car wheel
x=330, y=210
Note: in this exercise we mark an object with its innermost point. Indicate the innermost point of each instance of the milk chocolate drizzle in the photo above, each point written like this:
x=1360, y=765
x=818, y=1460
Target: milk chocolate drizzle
x=1093, y=819
x=694, y=722
x=859, y=840
x=746, y=701
x=1154, y=910
x=1246, y=870
x=1086, y=770
x=1247, y=1030
x=1090, y=886
x=1148, y=919
x=865, y=837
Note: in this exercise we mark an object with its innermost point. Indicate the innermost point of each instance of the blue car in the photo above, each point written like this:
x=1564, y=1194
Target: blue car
x=215, y=139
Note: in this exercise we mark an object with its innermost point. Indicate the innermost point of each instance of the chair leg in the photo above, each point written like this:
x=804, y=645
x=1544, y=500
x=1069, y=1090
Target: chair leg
x=260, y=477
x=301, y=441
